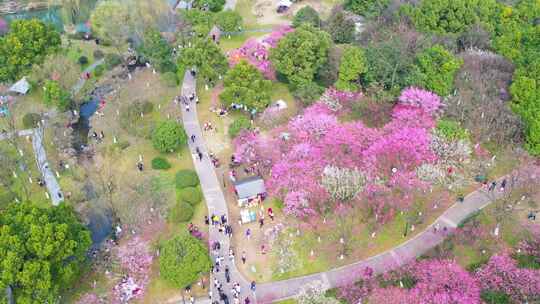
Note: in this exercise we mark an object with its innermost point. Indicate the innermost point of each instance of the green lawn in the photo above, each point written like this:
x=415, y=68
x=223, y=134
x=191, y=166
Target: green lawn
x=237, y=41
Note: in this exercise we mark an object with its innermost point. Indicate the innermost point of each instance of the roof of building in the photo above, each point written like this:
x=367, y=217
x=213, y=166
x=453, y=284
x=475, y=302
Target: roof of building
x=250, y=187
x=22, y=86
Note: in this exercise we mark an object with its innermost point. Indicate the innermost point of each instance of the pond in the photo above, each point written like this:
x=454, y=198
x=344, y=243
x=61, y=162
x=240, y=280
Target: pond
x=100, y=222
x=57, y=15
x=82, y=126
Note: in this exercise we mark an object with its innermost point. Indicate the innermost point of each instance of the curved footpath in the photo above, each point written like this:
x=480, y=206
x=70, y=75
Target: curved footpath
x=280, y=290
x=213, y=195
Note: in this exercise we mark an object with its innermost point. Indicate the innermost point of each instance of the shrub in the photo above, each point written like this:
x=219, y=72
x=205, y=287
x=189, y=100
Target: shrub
x=452, y=130
x=186, y=178
x=98, y=71
x=239, y=124
x=181, y=212
x=191, y=195
x=170, y=79
x=183, y=259
x=30, y=120
x=168, y=136
x=98, y=54
x=55, y=95
x=112, y=60
x=160, y=163
x=83, y=60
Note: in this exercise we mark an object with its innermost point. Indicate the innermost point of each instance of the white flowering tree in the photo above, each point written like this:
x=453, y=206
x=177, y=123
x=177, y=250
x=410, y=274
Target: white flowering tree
x=343, y=184
x=452, y=158
x=313, y=293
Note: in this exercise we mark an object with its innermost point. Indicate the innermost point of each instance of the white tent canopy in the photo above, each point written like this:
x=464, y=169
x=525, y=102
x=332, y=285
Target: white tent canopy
x=280, y=104
x=285, y=3
x=21, y=87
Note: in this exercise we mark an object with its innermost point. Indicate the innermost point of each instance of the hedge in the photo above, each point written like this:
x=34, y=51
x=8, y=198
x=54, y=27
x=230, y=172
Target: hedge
x=191, y=195
x=186, y=178
x=181, y=212
x=160, y=163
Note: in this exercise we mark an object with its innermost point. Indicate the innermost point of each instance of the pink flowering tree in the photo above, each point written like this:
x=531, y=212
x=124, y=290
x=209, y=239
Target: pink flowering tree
x=277, y=34
x=294, y=156
x=427, y=101
x=135, y=259
x=502, y=274
x=257, y=53
x=433, y=281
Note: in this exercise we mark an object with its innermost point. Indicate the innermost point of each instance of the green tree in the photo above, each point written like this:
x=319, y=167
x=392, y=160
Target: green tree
x=368, y=8
x=111, y=23
x=28, y=42
x=239, y=124
x=456, y=16
x=54, y=95
x=229, y=21
x=389, y=64
x=212, y=5
x=201, y=21
x=340, y=28
x=183, y=259
x=307, y=14
x=353, y=63
x=157, y=50
x=525, y=91
x=301, y=53
x=206, y=56
x=168, y=136
x=308, y=92
x=41, y=249
x=435, y=69
x=244, y=84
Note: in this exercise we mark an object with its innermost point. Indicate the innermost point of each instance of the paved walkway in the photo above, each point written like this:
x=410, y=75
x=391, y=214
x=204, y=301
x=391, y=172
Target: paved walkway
x=280, y=290
x=51, y=183
x=391, y=259
x=213, y=195
x=78, y=86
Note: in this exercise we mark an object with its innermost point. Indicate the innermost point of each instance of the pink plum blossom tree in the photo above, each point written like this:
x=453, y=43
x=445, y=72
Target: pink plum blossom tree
x=435, y=281
x=502, y=274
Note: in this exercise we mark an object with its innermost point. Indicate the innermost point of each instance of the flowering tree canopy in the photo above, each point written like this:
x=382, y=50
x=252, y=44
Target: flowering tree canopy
x=298, y=155
x=502, y=274
x=435, y=281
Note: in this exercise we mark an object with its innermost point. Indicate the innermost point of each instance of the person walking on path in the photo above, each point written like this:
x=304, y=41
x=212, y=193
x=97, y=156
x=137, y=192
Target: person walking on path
x=252, y=286
x=248, y=234
x=271, y=213
x=243, y=257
